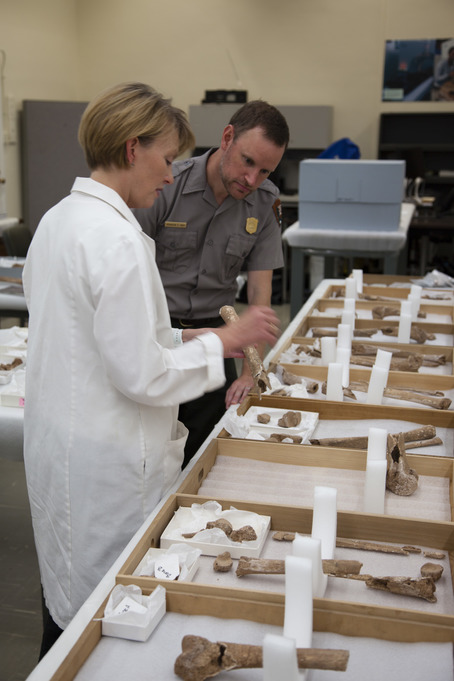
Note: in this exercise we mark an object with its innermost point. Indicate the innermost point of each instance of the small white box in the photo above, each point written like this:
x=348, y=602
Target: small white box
x=154, y=554
x=123, y=622
x=214, y=542
x=304, y=429
x=9, y=400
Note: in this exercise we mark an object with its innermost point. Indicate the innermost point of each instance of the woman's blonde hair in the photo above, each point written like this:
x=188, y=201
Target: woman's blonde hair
x=123, y=112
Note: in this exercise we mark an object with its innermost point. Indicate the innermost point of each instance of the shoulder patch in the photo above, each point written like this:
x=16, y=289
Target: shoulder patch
x=277, y=210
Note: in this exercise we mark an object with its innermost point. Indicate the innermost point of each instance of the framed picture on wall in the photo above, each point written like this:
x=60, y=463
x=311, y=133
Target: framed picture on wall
x=418, y=70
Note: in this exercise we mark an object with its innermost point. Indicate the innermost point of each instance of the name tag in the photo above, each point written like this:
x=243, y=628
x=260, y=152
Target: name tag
x=181, y=225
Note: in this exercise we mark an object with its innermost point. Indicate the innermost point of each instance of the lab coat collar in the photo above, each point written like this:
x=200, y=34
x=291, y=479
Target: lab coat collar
x=86, y=185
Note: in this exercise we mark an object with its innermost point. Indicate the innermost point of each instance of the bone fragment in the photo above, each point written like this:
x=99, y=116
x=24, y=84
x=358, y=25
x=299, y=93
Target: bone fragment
x=371, y=350
x=246, y=533
x=280, y=437
x=319, y=332
x=308, y=350
x=423, y=443
x=400, y=478
x=382, y=311
x=11, y=365
x=432, y=570
x=407, y=395
x=288, y=378
x=405, y=586
x=365, y=332
x=421, y=391
x=263, y=418
x=201, y=659
x=324, y=331
x=223, y=562
x=261, y=380
x=358, y=544
x=435, y=555
x=417, y=333
x=284, y=536
x=311, y=386
x=370, y=546
x=412, y=364
x=361, y=441
x=290, y=419
x=271, y=566
x=412, y=549
x=413, y=396
x=346, y=391
x=222, y=523
x=341, y=568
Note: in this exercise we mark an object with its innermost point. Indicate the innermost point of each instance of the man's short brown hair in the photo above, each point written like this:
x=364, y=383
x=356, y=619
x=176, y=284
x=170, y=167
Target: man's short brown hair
x=260, y=114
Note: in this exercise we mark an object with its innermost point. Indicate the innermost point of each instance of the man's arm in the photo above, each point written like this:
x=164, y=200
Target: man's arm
x=259, y=286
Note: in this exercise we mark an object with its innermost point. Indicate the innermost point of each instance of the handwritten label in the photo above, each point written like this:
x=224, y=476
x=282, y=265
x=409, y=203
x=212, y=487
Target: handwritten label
x=167, y=567
x=129, y=605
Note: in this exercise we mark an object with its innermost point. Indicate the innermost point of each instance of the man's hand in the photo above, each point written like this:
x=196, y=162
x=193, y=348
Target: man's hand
x=239, y=390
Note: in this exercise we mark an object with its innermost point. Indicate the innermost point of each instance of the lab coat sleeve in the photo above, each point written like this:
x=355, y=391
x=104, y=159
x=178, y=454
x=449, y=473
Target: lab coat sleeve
x=133, y=333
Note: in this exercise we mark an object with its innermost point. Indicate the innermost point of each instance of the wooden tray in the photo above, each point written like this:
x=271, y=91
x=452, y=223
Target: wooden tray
x=349, y=411
x=428, y=295
x=422, y=625
x=323, y=459
x=310, y=322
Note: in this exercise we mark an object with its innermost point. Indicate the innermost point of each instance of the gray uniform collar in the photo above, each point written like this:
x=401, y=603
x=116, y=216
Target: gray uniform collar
x=197, y=180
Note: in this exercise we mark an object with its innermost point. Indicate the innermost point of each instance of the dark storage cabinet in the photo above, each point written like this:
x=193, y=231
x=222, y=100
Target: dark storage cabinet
x=424, y=140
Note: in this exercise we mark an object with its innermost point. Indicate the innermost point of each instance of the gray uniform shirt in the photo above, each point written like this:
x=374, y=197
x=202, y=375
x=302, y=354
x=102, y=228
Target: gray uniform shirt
x=201, y=246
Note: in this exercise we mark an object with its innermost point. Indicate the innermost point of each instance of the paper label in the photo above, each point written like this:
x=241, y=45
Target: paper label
x=167, y=567
x=128, y=605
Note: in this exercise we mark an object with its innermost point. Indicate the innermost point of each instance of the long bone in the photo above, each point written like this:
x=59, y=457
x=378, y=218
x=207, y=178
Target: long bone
x=202, y=659
x=427, y=432
x=261, y=380
x=271, y=566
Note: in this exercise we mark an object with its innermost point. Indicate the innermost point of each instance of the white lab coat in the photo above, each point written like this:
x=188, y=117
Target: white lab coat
x=102, y=443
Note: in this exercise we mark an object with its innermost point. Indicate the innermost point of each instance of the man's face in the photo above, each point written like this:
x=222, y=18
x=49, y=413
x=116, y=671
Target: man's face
x=247, y=161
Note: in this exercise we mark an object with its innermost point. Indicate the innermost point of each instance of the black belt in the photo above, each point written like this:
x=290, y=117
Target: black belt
x=196, y=323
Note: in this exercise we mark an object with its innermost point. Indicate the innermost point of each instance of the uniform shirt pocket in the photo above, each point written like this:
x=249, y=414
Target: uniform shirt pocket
x=237, y=250
x=175, y=249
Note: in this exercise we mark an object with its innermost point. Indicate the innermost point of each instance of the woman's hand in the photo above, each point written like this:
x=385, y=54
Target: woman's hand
x=258, y=324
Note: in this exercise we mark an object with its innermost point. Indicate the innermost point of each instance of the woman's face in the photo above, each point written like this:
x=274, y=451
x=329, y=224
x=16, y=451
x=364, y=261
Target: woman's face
x=151, y=169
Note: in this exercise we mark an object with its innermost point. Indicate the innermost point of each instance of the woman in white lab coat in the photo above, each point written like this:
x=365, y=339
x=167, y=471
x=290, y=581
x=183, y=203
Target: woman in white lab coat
x=104, y=376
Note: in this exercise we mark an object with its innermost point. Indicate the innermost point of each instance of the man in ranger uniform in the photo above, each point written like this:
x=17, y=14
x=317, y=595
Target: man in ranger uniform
x=220, y=216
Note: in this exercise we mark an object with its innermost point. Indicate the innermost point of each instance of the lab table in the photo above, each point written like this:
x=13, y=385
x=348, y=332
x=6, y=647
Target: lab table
x=122, y=659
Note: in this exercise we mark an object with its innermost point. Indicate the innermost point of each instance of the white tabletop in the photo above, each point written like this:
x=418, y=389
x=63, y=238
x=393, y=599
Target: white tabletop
x=352, y=240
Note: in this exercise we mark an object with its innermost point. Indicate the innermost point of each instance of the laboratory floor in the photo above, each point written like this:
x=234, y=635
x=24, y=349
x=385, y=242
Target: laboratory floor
x=20, y=590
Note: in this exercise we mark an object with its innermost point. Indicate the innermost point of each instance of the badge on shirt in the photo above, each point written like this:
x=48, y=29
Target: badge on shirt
x=251, y=225
x=182, y=225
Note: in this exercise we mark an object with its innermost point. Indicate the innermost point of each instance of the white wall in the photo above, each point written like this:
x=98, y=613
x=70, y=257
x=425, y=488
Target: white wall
x=288, y=52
